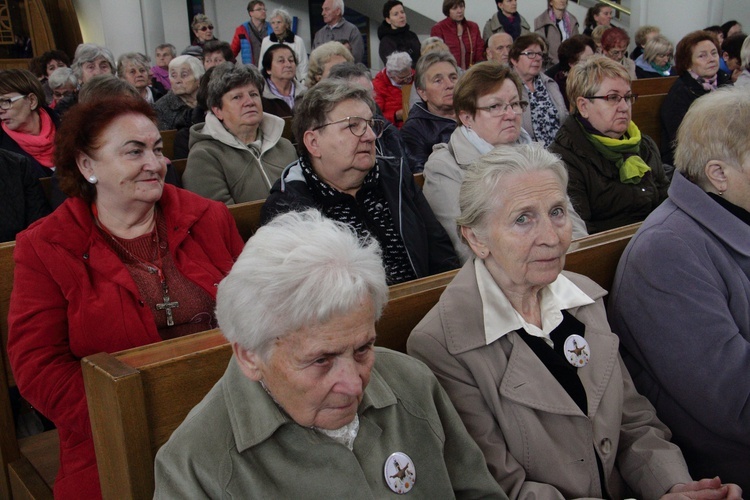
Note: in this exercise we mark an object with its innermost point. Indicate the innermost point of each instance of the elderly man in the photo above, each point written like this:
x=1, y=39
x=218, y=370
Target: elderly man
x=339, y=29
x=506, y=20
x=498, y=48
x=433, y=120
x=249, y=35
x=308, y=406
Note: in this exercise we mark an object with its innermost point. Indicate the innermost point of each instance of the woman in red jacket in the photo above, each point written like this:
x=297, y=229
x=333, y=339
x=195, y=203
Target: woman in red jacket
x=388, y=84
x=461, y=35
x=125, y=261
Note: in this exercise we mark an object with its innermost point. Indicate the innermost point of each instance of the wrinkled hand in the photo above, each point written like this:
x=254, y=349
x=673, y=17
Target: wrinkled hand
x=705, y=489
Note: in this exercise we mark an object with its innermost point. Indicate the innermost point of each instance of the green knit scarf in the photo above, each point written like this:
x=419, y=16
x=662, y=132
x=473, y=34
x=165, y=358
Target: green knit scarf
x=622, y=152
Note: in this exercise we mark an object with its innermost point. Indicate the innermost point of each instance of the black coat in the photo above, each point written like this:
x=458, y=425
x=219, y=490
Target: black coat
x=421, y=131
x=22, y=200
x=684, y=91
x=429, y=247
x=398, y=40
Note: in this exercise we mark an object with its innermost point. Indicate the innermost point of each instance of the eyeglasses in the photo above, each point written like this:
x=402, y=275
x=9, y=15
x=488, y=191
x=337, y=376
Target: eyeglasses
x=617, y=53
x=259, y=9
x=8, y=103
x=501, y=108
x=358, y=125
x=533, y=55
x=615, y=99
x=206, y=28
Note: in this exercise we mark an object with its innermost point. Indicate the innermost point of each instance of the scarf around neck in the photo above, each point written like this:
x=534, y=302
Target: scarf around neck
x=565, y=20
x=41, y=147
x=708, y=85
x=511, y=25
x=622, y=152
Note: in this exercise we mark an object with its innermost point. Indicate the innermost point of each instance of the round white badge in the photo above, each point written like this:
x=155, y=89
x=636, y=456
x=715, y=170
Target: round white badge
x=399, y=473
x=577, y=351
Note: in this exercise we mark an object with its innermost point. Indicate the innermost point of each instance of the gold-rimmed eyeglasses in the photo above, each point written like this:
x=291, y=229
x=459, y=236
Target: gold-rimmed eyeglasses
x=501, y=108
x=358, y=125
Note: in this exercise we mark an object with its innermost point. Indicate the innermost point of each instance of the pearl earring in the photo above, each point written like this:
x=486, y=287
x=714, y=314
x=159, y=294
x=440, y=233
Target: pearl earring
x=92, y=179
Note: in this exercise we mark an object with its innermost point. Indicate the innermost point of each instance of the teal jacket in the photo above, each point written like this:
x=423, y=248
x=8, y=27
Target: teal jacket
x=237, y=443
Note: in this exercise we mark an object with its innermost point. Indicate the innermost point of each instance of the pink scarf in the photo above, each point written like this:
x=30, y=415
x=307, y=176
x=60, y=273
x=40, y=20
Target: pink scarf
x=710, y=85
x=566, y=21
x=42, y=146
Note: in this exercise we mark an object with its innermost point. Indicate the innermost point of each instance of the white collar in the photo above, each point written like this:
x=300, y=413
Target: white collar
x=500, y=318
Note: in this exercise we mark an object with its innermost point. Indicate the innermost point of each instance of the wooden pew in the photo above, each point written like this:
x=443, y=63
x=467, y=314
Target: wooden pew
x=646, y=110
x=127, y=391
x=179, y=167
x=167, y=137
x=247, y=217
x=419, y=179
x=29, y=465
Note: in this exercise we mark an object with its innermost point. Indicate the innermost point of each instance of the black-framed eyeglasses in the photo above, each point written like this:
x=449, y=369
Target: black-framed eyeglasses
x=615, y=99
x=532, y=55
x=501, y=108
x=206, y=28
x=358, y=125
x=6, y=104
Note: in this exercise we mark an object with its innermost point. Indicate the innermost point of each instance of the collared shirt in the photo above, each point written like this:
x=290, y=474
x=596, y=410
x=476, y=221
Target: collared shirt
x=500, y=318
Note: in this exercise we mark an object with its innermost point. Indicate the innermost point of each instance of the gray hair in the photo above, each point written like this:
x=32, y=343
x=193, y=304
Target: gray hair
x=656, y=46
x=62, y=76
x=349, y=71
x=714, y=128
x=339, y=4
x=87, y=52
x=320, y=100
x=169, y=46
x=195, y=64
x=428, y=60
x=745, y=53
x=135, y=58
x=397, y=62
x=228, y=76
x=479, y=193
x=284, y=15
x=282, y=282
x=199, y=19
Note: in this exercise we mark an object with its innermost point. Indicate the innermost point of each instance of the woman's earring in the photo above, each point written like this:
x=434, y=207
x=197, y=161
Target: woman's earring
x=92, y=179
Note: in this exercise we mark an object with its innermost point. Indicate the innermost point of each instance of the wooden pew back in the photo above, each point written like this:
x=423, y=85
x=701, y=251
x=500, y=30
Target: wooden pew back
x=652, y=86
x=646, y=114
x=247, y=217
x=167, y=137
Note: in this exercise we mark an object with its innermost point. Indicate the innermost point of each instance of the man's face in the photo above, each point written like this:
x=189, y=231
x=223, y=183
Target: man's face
x=258, y=13
x=498, y=47
x=331, y=14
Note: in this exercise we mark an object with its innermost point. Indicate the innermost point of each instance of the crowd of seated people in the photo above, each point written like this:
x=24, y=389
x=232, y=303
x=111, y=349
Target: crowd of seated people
x=525, y=139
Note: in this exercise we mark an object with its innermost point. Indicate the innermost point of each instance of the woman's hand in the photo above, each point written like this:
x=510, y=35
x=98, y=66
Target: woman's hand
x=709, y=489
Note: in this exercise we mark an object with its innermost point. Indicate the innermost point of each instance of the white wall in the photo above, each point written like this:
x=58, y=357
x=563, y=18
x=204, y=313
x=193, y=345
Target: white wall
x=141, y=25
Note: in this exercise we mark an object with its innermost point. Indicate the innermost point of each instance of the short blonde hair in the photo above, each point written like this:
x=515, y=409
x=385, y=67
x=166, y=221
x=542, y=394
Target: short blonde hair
x=656, y=46
x=585, y=78
x=714, y=128
x=320, y=56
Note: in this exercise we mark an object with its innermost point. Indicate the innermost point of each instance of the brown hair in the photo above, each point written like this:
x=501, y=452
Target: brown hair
x=481, y=79
x=81, y=132
x=450, y=4
x=683, y=58
x=22, y=81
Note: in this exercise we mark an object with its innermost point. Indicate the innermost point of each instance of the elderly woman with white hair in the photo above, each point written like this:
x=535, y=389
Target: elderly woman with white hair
x=281, y=24
x=89, y=61
x=175, y=109
x=657, y=58
x=339, y=174
x=308, y=406
x=63, y=82
x=525, y=352
x=681, y=296
x=133, y=67
x=388, y=83
x=238, y=153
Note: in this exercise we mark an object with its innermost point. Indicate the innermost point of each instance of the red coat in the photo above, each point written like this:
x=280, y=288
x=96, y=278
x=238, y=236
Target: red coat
x=388, y=97
x=472, y=38
x=72, y=297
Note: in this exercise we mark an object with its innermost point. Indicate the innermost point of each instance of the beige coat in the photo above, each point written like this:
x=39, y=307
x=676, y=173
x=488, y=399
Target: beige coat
x=537, y=442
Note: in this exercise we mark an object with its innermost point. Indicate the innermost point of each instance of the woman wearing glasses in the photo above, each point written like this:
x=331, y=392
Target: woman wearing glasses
x=28, y=125
x=546, y=110
x=238, y=153
x=338, y=174
x=203, y=30
x=488, y=104
x=616, y=174
x=615, y=43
